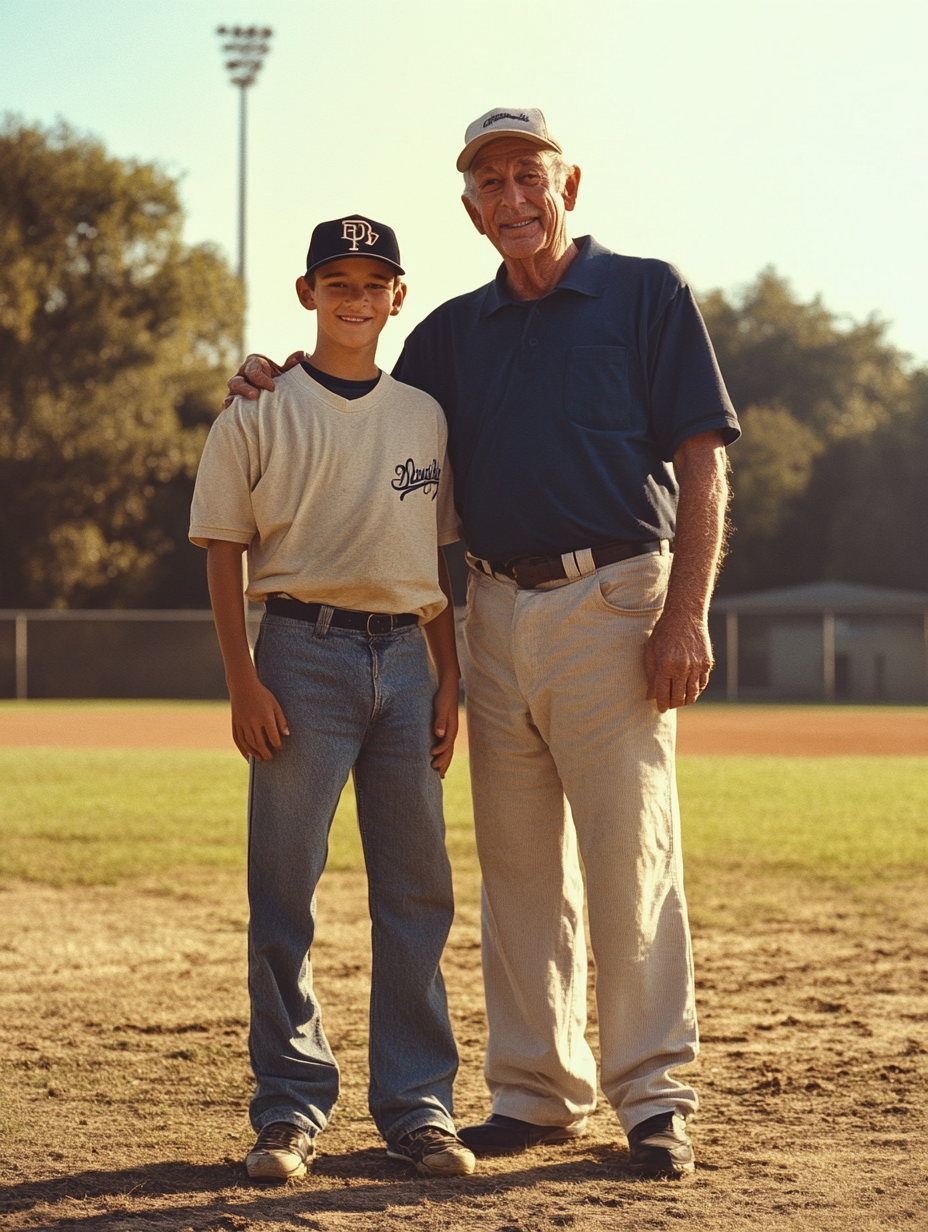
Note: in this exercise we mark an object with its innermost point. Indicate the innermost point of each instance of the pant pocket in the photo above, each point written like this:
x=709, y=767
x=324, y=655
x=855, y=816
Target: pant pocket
x=635, y=587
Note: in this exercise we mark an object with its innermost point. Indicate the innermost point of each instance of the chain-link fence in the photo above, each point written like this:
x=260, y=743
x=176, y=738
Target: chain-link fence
x=169, y=654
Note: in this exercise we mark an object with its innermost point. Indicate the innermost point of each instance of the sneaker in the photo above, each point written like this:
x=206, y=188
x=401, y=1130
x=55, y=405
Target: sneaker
x=280, y=1154
x=434, y=1152
x=502, y=1135
x=659, y=1147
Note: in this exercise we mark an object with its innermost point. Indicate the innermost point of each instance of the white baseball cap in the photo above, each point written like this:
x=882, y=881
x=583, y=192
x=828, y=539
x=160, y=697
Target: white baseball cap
x=527, y=122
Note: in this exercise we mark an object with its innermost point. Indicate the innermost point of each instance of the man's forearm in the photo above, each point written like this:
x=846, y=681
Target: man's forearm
x=679, y=653
x=701, y=467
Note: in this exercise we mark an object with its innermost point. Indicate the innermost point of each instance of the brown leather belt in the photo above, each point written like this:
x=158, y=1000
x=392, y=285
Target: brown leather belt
x=530, y=572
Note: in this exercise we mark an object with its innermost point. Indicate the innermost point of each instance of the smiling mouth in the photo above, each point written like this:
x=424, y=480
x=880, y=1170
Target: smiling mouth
x=354, y=320
x=517, y=226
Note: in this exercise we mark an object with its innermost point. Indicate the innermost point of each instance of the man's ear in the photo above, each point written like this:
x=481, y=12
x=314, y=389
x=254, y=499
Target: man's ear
x=305, y=294
x=399, y=294
x=474, y=215
x=571, y=188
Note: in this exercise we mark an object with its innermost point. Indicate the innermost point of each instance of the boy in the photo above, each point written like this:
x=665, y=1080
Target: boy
x=337, y=485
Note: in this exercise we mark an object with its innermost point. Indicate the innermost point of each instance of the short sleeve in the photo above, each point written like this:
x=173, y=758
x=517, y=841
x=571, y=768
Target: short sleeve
x=222, y=507
x=449, y=524
x=687, y=392
x=409, y=367
x=426, y=360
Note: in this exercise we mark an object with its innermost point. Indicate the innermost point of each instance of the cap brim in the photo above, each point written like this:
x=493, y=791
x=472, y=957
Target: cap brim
x=345, y=256
x=470, y=151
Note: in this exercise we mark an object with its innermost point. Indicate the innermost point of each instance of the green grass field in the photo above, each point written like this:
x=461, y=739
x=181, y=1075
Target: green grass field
x=101, y=816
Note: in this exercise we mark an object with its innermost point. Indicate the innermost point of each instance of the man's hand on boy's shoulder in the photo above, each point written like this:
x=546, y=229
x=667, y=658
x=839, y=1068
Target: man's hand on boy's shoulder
x=444, y=725
x=257, y=373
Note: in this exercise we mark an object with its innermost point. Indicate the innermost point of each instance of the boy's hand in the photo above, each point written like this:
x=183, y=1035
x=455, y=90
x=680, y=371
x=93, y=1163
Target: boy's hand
x=258, y=723
x=444, y=725
x=257, y=373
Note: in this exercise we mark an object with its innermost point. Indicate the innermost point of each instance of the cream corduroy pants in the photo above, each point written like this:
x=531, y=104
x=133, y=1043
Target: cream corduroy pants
x=572, y=775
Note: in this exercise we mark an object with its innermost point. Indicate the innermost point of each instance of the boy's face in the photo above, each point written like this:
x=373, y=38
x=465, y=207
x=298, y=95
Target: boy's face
x=353, y=297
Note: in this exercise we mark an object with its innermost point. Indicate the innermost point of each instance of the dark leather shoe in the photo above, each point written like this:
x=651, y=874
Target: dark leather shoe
x=659, y=1147
x=502, y=1135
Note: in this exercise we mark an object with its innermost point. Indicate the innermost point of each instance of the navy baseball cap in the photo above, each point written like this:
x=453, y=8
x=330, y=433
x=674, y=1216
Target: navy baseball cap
x=353, y=236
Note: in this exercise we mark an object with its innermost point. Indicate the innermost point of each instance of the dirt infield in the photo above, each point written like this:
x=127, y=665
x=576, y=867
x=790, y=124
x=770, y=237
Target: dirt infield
x=125, y=1073
x=804, y=731
x=785, y=731
x=116, y=725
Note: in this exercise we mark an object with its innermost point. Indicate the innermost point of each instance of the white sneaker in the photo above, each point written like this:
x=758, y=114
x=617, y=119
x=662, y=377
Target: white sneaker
x=281, y=1153
x=434, y=1152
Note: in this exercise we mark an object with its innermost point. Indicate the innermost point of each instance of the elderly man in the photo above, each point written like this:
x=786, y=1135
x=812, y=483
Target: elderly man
x=587, y=430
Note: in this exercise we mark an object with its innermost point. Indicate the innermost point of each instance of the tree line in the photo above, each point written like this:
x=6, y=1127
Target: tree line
x=830, y=477
x=116, y=339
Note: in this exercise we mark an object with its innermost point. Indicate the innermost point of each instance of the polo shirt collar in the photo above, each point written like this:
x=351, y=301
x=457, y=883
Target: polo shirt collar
x=587, y=275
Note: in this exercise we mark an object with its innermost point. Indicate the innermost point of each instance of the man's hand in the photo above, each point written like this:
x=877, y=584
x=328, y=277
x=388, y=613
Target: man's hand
x=444, y=725
x=257, y=373
x=258, y=723
x=679, y=659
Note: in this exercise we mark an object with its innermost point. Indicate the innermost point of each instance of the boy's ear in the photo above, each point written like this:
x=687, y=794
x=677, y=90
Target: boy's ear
x=399, y=294
x=305, y=294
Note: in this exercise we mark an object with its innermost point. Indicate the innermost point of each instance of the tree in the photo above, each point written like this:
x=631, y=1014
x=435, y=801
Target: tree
x=879, y=531
x=821, y=400
x=115, y=339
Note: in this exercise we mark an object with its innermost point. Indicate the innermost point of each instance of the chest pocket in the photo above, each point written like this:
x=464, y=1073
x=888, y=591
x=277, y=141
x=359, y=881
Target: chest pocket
x=596, y=389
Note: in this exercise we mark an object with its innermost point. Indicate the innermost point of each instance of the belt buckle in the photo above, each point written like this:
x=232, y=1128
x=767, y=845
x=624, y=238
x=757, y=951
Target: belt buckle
x=528, y=565
x=379, y=616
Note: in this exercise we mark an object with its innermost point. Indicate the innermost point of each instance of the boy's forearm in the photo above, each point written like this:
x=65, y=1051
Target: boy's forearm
x=224, y=575
x=440, y=632
x=443, y=645
x=258, y=723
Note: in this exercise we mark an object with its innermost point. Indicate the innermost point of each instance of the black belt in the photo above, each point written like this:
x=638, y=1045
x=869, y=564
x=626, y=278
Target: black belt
x=531, y=571
x=342, y=618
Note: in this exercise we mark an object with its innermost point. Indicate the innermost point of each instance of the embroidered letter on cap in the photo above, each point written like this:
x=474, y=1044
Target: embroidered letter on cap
x=357, y=230
x=504, y=115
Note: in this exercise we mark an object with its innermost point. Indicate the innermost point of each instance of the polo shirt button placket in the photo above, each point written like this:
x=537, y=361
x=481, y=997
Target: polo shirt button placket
x=532, y=354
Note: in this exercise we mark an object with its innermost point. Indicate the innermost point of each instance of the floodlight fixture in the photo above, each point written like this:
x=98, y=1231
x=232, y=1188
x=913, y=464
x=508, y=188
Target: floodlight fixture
x=246, y=47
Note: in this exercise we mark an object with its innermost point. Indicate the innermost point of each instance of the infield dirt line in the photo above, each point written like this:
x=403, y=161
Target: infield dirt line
x=786, y=731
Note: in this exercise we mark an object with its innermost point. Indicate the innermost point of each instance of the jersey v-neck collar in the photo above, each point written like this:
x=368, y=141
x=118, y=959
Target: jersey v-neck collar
x=348, y=406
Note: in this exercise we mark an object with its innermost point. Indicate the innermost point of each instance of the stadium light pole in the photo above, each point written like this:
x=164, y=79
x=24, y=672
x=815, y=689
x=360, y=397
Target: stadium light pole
x=244, y=49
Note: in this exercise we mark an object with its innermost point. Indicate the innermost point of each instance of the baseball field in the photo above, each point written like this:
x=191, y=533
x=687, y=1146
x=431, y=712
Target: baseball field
x=122, y=966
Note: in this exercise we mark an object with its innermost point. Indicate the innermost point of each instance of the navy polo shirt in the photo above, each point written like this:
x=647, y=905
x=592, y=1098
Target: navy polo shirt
x=564, y=413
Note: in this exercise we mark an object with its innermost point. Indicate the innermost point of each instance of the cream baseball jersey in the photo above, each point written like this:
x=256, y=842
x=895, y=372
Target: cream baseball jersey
x=340, y=502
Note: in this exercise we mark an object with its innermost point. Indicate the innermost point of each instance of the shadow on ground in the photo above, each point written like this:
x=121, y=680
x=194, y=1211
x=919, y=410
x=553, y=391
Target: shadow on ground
x=356, y=1182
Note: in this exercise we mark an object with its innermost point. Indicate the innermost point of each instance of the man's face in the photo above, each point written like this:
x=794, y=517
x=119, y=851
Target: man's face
x=353, y=297
x=517, y=208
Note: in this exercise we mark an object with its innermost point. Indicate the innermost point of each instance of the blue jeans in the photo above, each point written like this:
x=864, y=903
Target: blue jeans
x=357, y=704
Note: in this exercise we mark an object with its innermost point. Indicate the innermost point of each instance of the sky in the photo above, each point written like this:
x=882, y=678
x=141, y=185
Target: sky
x=720, y=135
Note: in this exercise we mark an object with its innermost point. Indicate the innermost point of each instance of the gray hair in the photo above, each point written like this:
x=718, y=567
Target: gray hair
x=558, y=169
